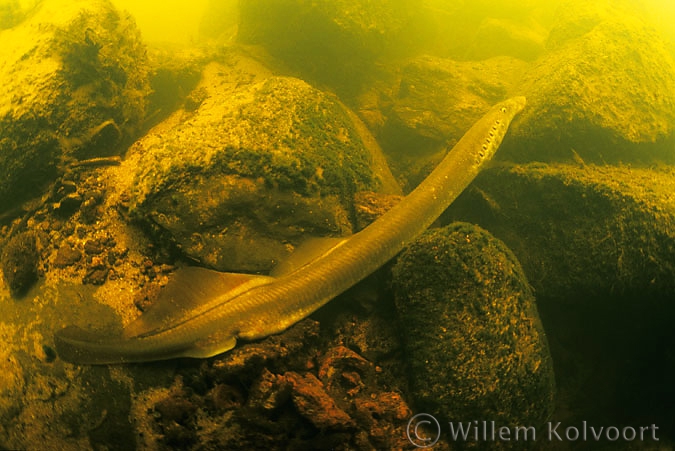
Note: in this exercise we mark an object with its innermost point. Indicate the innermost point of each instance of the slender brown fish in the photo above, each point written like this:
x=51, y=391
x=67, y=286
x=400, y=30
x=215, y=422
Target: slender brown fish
x=202, y=313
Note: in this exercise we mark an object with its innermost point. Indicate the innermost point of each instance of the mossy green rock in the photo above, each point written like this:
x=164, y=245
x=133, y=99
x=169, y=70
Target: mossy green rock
x=439, y=99
x=581, y=231
x=436, y=101
x=253, y=170
x=484, y=29
x=474, y=343
x=334, y=42
x=605, y=90
x=68, y=67
x=46, y=403
x=598, y=245
x=519, y=38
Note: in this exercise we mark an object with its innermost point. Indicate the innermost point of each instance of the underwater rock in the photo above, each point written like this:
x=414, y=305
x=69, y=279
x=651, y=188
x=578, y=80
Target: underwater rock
x=605, y=90
x=501, y=36
x=581, y=231
x=598, y=245
x=174, y=413
x=368, y=206
x=269, y=392
x=253, y=171
x=74, y=83
x=436, y=101
x=439, y=99
x=44, y=403
x=173, y=75
x=314, y=404
x=96, y=275
x=20, y=259
x=474, y=343
x=381, y=416
x=484, y=29
x=251, y=357
x=328, y=395
x=66, y=256
x=341, y=366
x=334, y=43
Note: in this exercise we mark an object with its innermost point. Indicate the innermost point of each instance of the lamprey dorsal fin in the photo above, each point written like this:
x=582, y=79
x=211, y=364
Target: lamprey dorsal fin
x=191, y=291
x=310, y=250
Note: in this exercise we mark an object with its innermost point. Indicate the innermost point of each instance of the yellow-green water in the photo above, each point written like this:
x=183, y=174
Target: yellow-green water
x=92, y=104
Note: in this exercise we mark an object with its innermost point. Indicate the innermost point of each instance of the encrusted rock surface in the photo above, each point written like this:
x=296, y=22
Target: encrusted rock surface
x=74, y=80
x=597, y=244
x=253, y=171
x=581, y=230
x=605, y=90
x=475, y=346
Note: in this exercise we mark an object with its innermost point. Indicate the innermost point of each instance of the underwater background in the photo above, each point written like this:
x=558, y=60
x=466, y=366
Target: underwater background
x=137, y=138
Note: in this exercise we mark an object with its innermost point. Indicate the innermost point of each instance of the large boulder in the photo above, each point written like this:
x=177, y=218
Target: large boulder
x=501, y=36
x=435, y=102
x=605, y=91
x=336, y=42
x=247, y=172
x=598, y=245
x=439, y=99
x=581, y=231
x=485, y=28
x=74, y=84
x=474, y=343
x=42, y=397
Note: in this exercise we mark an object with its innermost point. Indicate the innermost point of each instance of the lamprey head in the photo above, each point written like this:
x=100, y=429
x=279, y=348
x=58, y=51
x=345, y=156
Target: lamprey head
x=497, y=122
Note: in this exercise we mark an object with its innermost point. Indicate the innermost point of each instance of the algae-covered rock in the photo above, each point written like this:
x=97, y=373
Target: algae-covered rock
x=605, y=90
x=13, y=12
x=598, y=245
x=474, y=343
x=19, y=262
x=439, y=99
x=44, y=402
x=336, y=42
x=501, y=36
x=581, y=231
x=67, y=68
x=253, y=170
x=485, y=28
x=435, y=102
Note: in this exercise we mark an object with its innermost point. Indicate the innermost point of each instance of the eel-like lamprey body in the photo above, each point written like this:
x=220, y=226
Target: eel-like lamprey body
x=202, y=313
